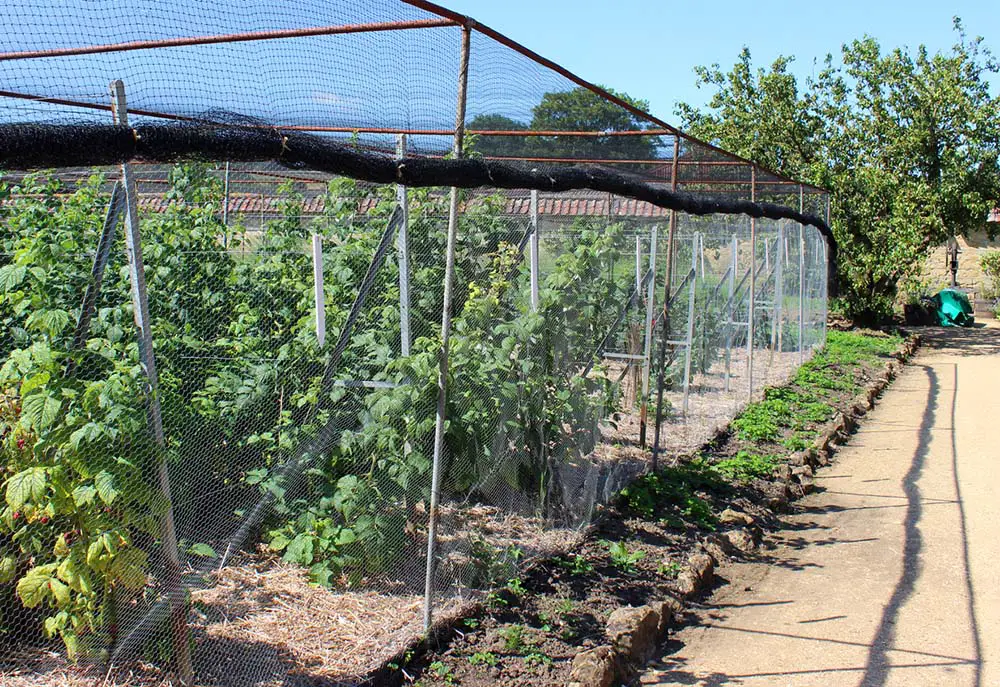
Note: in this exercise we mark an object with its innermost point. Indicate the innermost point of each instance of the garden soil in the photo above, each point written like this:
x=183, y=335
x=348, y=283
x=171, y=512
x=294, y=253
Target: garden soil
x=887, y=574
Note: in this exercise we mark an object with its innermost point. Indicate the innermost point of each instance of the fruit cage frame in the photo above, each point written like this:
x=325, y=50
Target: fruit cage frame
x=390, y=323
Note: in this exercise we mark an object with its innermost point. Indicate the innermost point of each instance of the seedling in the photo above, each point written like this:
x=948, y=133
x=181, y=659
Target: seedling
x=484, y=658
x=513, y=638
x=622, y=558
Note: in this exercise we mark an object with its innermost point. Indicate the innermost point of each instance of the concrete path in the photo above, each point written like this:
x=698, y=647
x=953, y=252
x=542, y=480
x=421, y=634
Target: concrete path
x=888, y=575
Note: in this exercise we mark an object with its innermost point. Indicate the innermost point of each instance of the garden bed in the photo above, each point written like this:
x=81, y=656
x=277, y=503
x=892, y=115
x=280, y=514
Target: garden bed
x=529, y=633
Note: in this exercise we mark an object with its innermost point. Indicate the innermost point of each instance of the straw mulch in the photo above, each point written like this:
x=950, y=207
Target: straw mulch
x=263, y=623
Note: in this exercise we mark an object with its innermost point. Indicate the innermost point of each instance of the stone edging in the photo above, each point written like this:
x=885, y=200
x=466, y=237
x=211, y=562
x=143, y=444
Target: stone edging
x=634, y=633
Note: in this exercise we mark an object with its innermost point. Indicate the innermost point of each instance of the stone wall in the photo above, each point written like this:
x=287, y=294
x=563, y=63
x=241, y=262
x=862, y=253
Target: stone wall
x=936, y=274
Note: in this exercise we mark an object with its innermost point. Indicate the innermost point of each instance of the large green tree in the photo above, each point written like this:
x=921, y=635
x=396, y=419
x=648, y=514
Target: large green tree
x=578, y=109
x=907, y=142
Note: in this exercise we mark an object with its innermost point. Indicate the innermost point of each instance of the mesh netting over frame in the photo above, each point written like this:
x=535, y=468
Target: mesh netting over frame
x=219, y=379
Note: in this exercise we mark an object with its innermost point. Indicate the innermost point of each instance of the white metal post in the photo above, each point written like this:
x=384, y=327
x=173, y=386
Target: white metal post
x=172, y=583
x=779, y=291
x=689, y=336
x=752, y=308
x=403, y=256
x=802, y=279
x=734, y=265
x=449, y=279
x=319, y=299
x=225, y=207
x=533, y=245
x=647, y=343
x=825, y=272
x=638, y=265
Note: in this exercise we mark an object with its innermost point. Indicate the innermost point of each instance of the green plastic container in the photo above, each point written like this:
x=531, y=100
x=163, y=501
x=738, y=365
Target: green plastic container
x=953, y=308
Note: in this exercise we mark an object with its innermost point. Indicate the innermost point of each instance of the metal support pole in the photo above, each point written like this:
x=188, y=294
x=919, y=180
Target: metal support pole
x=647, y=342
x=779, y=291
x=734, y=264
x=802, y=280
x=172, y=584
x=751, y=319
x=689, y=336
x=449, y=278
x=825, y=271
x=318, y=294
x=403, y=253
x=638, y=264
x=665, y=314
x=101, y=257
x=225, y=196
x=533, y=251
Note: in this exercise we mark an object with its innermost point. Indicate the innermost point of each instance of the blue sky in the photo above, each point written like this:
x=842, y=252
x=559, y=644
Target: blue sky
x=406, y=79
x=649, y=48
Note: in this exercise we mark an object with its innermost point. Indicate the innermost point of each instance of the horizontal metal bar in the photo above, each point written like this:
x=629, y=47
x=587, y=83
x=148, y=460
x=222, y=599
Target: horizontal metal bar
x=366, y=383
x=228, y=38
x=624, y=356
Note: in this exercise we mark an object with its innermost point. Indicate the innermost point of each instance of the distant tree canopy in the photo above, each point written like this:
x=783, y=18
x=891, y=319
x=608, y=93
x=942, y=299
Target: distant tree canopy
x=576, y=110
x=908, y=144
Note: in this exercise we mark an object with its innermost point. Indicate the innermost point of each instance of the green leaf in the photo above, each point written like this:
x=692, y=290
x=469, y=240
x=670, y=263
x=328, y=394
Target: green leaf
x=129, y=568
x=300, y=550
x=203, y=550
x=60, y=591
x=50, y=321
x=33, y=588
x=27, y=485
x=84, y=495
x=8, y=569
x=77, y=578
x=95, y=554
x=256, y=476
x=61, y=548
x=51, y=626
x=39, y=410
x=278, y=542
x=33, y=382
x=89, y=432
x=346, y=536
x=104, y=481
x=320, y=573
x=11, y=276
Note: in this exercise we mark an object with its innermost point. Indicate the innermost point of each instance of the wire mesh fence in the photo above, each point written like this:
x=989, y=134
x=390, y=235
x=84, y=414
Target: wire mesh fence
x=296, y=363
x=263, y=422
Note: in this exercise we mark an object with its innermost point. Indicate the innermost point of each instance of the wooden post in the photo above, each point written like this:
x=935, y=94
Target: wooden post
x=173, y=586
x=449, y=278
x=403, y=253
